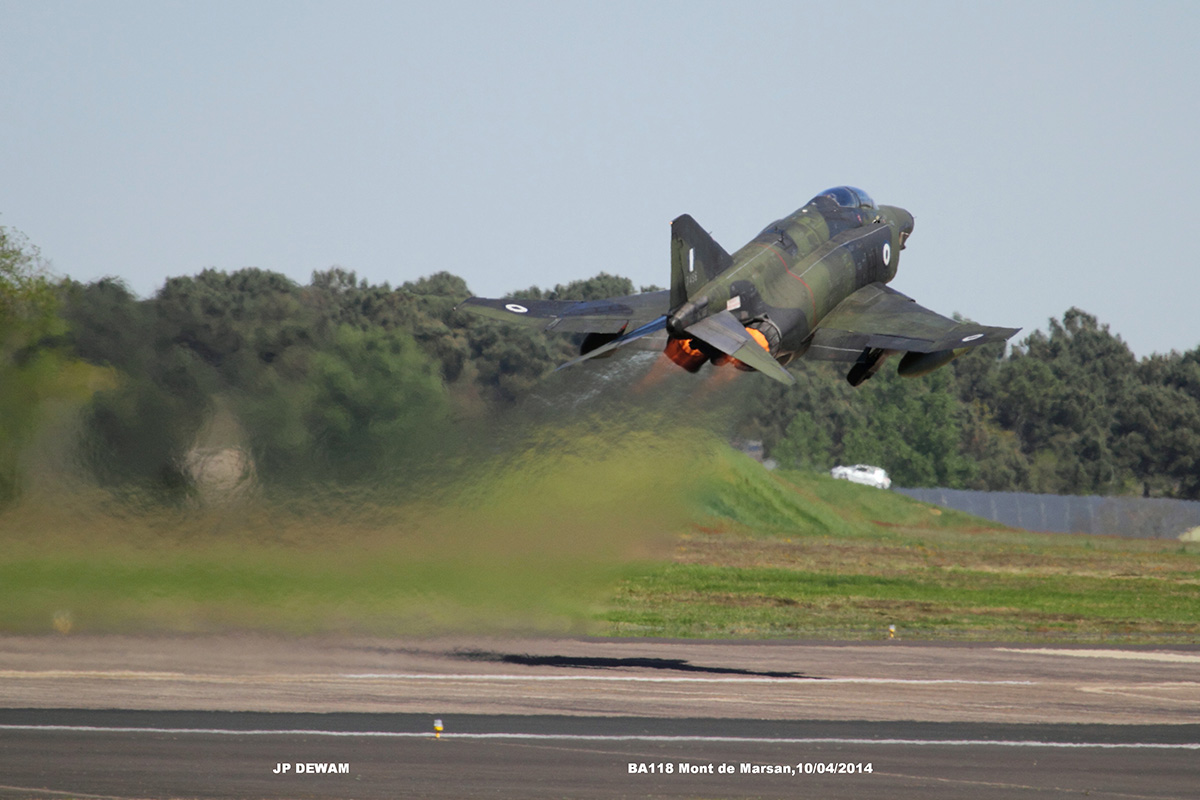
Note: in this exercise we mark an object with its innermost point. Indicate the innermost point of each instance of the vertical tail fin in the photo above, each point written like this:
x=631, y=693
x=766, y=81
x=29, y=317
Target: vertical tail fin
x=696, y=259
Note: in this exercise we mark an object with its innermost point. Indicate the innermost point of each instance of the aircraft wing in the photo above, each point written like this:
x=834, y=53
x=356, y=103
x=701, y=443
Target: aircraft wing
x=613, y=315
x=877, y=316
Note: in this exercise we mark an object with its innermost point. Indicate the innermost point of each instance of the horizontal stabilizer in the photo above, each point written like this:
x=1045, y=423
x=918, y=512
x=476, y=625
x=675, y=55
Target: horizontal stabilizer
x=726, y=334
x=652, y=327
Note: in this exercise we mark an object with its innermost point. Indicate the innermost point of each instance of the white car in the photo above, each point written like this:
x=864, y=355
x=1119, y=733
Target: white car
x=866, y=475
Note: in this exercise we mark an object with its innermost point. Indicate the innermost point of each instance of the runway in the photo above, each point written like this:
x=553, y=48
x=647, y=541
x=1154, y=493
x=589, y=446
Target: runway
x=217, y=716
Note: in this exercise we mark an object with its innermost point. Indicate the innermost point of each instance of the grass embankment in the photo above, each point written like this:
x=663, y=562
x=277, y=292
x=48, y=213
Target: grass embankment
x=532, y=540
x=646, y=534
x=800, y=555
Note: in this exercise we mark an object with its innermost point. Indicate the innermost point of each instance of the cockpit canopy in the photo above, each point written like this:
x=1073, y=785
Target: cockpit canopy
x=849, y=197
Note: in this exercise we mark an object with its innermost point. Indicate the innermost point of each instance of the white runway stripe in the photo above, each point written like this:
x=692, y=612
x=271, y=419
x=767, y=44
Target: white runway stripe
x=1125, y=655
x=612, y=737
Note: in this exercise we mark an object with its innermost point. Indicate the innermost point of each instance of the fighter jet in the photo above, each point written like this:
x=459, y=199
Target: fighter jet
x=812, y=285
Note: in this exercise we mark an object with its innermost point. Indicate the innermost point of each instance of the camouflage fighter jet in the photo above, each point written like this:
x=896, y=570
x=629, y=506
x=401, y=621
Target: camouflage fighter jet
x=813, y=284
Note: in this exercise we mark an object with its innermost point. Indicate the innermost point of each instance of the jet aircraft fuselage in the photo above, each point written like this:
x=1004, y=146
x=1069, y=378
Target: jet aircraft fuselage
x=786, y=279
x=813, y=283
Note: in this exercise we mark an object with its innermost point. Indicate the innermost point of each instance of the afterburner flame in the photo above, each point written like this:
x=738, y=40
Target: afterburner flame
x=686, y=354
x=691, y=354
x=759, y=337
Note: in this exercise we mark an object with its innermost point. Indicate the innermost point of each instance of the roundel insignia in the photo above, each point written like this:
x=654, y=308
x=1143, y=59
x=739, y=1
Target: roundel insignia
x=887, y=253
x=516, y=309
x=972, y=337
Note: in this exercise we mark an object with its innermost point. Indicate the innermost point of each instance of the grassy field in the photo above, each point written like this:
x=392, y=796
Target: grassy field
x=649, y=535
x=534, y=540
x=801, y=555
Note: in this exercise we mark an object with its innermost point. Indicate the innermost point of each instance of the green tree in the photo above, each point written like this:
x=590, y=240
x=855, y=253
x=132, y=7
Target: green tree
x=911, y=427
x=805, y=444
x=599, y=287
x=28, y=304
x=376, y=399
x=438, y=328
x=1060, y=394
x=35, y=372
x=1159, y=433
x=508, y=361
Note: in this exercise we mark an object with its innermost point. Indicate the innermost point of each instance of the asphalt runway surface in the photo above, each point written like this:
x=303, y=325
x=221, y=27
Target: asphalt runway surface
x=250, y=717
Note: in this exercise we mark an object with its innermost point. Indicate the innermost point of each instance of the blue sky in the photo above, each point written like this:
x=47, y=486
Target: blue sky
x=1047, y=150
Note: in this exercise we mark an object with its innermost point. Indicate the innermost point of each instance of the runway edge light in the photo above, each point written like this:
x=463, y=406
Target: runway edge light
x=437, y=729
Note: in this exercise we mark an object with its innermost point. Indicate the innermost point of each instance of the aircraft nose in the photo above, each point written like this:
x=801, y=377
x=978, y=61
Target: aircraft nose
x=902, y=220
x=906, y=228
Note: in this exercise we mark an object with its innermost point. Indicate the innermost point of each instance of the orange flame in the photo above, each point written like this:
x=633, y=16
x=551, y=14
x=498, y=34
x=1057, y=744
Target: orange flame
x=684, y=353
x=758, y=337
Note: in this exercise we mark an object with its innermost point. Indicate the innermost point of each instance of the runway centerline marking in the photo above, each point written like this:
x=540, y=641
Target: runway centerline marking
x=1128, y=655
x=1145, y=691
x=401, y=676
x=612, y=737
x=33, y=792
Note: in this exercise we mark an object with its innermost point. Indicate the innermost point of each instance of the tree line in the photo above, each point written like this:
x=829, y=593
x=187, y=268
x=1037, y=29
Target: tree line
x=1071, y=411
x=340, y=379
